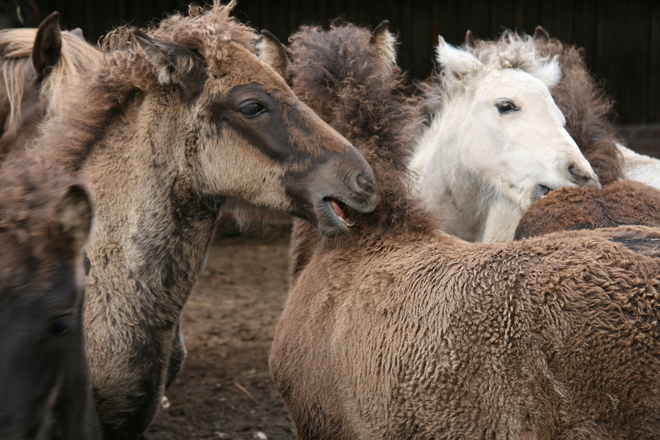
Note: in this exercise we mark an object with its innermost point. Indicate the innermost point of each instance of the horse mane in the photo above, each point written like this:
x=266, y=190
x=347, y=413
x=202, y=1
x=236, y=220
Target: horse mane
x=588, y=110
x=510, y=51
x=126, y=71
x=341, y=75
x=16, y=46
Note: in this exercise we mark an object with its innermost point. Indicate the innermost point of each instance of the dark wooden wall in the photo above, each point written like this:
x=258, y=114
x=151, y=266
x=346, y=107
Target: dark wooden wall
x=621, y=38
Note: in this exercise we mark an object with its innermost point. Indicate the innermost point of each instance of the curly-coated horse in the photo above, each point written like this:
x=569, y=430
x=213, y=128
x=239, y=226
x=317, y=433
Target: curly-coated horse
x=401, y=331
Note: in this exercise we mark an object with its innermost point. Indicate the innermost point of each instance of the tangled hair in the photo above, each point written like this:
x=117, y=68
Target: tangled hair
x=205, y=31
x=361, y=93
x=511, y=51
x=589, y=112
x=76, y=56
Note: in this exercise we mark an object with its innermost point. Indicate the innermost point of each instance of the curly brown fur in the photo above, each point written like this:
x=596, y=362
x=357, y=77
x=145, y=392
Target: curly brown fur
x=399, y=331
x=620, y=203
x=588, y=110
x=344, y=78
x=341, y=75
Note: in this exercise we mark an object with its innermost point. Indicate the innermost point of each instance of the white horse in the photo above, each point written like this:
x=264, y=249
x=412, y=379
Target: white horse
x=496, y=142
x=640, y=167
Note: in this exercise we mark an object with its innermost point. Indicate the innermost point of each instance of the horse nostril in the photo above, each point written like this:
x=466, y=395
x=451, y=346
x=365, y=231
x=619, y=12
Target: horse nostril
x=365, y=184
x=577, y=174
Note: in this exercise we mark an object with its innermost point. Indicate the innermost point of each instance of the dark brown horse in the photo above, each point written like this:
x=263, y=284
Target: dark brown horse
x=399, y=331
x=620, y=203
x=45, y=218
x=175, y=119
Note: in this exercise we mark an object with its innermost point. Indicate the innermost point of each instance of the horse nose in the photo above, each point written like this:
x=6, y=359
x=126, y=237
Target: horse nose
x=365, y=184
x=583, y=177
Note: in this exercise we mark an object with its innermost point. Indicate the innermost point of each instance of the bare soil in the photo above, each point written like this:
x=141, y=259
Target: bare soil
x=224, y=390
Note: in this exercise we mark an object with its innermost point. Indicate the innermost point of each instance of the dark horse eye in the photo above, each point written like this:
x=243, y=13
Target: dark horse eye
x=251, y=109
x=505, y=106
x=62, y=325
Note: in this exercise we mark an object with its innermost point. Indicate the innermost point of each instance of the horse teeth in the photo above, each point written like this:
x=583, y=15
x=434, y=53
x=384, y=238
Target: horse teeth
x=340, y=214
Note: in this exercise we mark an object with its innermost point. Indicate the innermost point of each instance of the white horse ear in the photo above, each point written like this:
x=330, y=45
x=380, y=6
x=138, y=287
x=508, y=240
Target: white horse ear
x=384, y=42
x=175, y=63
x=455, y=61
x=549, y=73
x=273, y=52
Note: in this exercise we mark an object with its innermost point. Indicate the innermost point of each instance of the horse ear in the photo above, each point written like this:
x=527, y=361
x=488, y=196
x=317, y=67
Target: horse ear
x=454, y=61
x=549, y=73
x=273, y=52
x=47, y=45
x=175, y=64
x=78, y=33
x=74, y=217
x=469, y=39
x=384, y=42
x=541, y=35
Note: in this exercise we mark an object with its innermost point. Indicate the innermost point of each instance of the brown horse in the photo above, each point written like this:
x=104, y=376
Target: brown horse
x=174, y=119
x=35, y=65
x=45, y=219
x=403, y=332
x=620, y=203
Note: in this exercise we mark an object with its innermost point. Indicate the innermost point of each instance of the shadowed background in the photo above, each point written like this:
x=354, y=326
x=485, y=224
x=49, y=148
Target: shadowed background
x=621, y=39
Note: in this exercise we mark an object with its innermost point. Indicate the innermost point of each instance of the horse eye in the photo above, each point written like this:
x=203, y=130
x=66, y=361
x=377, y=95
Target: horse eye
x=505, y=106
x=62, y=325
x=252, y=109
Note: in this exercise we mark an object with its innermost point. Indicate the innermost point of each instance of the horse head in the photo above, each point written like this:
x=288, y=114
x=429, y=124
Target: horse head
x=254, y=139
x=499, y=134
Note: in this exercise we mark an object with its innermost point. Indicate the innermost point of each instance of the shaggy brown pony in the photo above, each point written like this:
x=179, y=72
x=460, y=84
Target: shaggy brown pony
x=45, y=219
x=399, y=331
x=175, y=119
x=621, y=203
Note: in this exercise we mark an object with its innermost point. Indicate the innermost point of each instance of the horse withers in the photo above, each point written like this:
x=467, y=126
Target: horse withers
x=45, y=220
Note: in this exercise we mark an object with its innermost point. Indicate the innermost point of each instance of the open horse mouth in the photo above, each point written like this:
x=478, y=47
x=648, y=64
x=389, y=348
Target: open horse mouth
x=336, y=208
x=541, y=191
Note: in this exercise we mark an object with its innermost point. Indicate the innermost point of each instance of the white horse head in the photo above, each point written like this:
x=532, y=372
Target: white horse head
x=496, y=143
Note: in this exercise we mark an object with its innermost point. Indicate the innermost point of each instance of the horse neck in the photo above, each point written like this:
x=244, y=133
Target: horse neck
x=445, y=183
x=149, y=219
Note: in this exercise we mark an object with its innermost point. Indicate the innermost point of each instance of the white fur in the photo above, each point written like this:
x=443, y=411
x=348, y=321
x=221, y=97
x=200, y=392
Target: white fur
x=481, y=169
x=639, y=167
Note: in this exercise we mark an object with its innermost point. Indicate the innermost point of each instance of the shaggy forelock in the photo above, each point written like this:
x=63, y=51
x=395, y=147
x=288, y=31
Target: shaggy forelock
x=206, y=31
x=512, y=50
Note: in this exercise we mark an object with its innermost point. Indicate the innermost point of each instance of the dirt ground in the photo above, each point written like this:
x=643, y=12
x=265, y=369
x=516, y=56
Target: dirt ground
x=224, y=390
